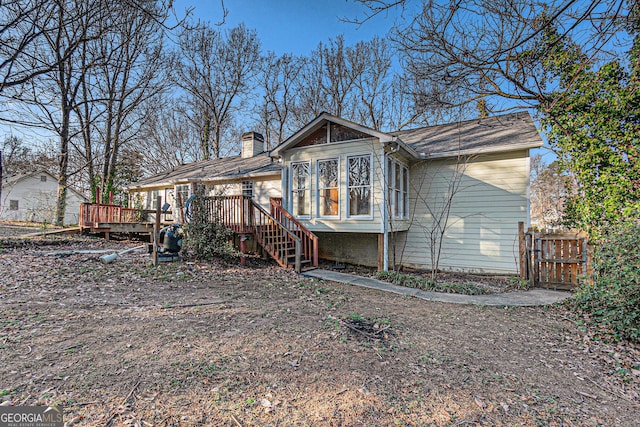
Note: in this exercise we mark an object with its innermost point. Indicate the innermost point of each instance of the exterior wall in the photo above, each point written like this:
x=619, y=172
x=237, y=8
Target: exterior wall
x=37, y=201
x=482, y=229
x=340, y=150
x=359, y=249
x=263, y=189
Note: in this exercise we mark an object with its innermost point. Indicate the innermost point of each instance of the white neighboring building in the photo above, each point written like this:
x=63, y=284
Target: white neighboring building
x=32, y=197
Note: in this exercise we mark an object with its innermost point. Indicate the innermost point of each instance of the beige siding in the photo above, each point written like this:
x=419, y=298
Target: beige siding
x=341, y=150
x=263, y=190
x=37, y=201
x=481, y=235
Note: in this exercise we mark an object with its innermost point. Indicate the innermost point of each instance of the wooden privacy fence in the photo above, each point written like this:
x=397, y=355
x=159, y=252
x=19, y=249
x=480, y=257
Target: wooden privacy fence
x=554, y=260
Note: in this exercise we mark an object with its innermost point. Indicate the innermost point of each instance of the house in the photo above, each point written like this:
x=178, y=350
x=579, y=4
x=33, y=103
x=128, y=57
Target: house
x=32, y=196
x=450, y=195
x=253, y=173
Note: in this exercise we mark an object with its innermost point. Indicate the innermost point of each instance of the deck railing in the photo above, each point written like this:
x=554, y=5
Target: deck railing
x=278, y=232
x=308, y=239
x=234, y=212
x=92, y=214
x=282, y=244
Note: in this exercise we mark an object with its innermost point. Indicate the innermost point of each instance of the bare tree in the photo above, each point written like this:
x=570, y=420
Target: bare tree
x=167, y=138
x=23, y=25
x=216, y=72
x=18, y=156
x=550, y=187
x=278, y=80
x=470, y=50
x=62, y=83
x=130, y=74
x=373, y=83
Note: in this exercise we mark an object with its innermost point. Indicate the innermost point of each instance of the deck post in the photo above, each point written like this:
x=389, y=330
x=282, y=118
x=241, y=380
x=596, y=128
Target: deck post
x=243, y=258
x=156, y=231
x=298, y=253
x=522, y=251
x=381, y=252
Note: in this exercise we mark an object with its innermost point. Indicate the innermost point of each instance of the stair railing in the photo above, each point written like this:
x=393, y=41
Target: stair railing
x=282, y=244
x=308, y=239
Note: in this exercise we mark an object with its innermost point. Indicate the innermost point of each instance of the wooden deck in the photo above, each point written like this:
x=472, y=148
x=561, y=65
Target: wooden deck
x=277, y=232
x=107, y=219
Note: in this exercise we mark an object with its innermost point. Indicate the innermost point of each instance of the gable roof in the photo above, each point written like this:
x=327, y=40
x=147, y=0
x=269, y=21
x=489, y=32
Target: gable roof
x=325, y=117
x=13, y=179
x=227, y=168
x=508, y=132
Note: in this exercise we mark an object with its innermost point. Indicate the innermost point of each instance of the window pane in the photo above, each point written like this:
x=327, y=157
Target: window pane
x=405, y=192
x=359, y=201
x=329, y=202
x=328, y=173
x=300, y=203
x=247, y=188
x=300, y=188
x=300, y=178
x=359, y=171
x=360, y=185
x=328, y=194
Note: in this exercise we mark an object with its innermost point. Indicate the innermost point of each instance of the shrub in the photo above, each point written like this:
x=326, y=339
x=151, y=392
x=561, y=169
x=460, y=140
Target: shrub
x=206, y=236
x=419, y=282
x=612, y=298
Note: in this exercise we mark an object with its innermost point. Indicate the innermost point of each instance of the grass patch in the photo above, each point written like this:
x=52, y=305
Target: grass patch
x=419, y=282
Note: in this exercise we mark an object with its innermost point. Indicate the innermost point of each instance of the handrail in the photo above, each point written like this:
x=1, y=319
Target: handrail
x=309, y=240
x=275, y=237
x=92, y=214
x=242, y=214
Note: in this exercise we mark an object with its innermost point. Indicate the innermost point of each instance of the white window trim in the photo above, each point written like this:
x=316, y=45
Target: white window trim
x=404, y=193
x=317, y=192
x=247, y=186
x=290, y=190
x=346, y=183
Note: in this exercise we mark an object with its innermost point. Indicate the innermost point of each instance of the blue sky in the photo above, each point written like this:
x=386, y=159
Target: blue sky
x=294, y=26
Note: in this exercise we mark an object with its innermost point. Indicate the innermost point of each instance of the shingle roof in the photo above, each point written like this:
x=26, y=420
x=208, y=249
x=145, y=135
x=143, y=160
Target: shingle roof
x=227, y=168
x=487, y=135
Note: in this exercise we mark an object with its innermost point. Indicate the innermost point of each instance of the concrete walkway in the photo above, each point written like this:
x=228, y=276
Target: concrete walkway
x=534, y=297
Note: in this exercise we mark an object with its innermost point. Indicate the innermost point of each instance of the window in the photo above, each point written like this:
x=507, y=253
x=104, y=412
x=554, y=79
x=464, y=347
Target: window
x=152, y=197
x=43, y=178
x=247, y=188
x=398, y=179
x=182, y=194
x=13, y=205
x=359, y=185
x=328, y=193
x=301, y=188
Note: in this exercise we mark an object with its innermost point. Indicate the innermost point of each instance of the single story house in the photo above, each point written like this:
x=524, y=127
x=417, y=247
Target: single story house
x=450, y=195
x=31, y=196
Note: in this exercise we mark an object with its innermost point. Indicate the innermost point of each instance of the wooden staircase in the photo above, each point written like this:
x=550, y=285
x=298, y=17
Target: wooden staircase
x=282, y=236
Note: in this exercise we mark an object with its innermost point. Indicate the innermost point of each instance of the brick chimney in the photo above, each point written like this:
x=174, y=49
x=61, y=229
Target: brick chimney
x=252, y=144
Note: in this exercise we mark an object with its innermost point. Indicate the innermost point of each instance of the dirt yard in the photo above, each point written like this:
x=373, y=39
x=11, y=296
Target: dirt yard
x=193, y=344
